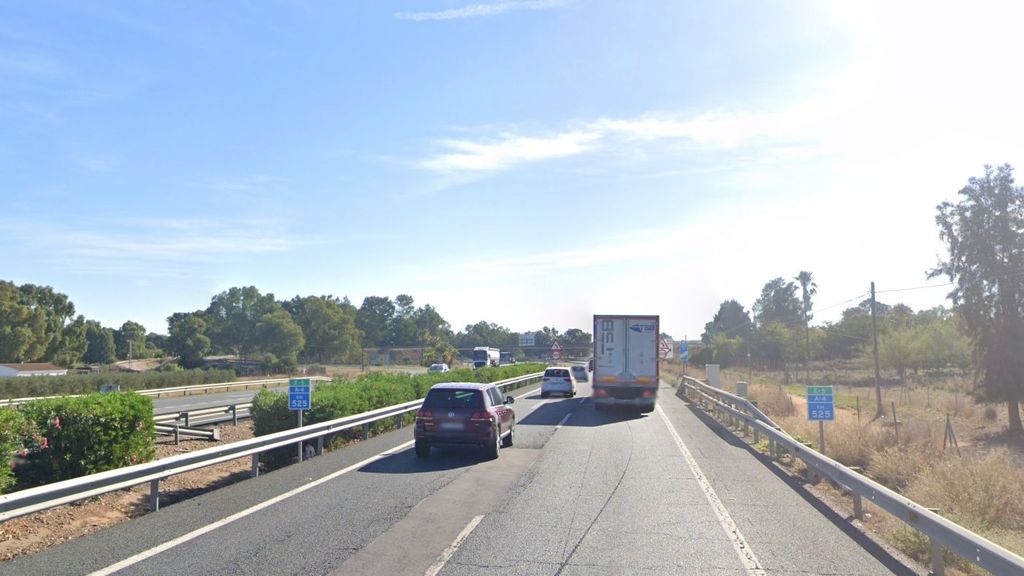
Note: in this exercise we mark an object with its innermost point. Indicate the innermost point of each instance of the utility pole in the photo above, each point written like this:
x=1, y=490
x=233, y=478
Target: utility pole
x=874, y=336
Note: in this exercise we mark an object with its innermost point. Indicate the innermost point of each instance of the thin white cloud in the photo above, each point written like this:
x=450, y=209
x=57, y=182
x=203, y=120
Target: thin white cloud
x=162, y=247
x=718, y=130
x=480, y=10
x=508, y=150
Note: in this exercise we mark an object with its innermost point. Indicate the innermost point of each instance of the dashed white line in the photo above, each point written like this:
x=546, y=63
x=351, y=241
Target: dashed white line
x=453, y=547
x=132, y=560
x=746, y=555
x=563, y=421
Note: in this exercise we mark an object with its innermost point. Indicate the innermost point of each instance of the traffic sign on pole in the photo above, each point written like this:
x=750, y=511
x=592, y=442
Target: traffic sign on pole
x=299, y=394
x=664, y=349
x=684, y=352
x=820, y=403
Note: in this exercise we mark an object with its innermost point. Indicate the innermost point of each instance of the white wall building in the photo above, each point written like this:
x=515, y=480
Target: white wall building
x=32, y=369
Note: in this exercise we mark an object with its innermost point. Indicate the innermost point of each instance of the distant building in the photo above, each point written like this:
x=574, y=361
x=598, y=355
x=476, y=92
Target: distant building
x=32, y=369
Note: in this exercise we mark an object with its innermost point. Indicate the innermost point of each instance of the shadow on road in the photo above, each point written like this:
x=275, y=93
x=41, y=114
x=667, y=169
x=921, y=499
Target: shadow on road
x=446, y=458
x=583, y=414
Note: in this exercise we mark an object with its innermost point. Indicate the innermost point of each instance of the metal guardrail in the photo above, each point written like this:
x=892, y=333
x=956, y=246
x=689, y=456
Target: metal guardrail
x=221, y=413
x=180, y=390
x=43, y=497
x=941, y=532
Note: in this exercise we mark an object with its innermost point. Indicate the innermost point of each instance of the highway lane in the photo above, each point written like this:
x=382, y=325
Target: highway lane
x=615, y=493
x=198, y=401
x=581, y=492
x=313, y=532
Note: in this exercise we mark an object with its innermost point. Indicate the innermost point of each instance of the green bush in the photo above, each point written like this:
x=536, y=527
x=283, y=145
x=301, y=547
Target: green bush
x=369, y=391
x=88, y=434
x=16, y=387
x=17, y=433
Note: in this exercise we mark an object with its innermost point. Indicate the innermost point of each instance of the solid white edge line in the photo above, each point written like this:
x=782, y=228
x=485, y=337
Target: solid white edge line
x=746, y=555
x=453, y=547
x=132, y=560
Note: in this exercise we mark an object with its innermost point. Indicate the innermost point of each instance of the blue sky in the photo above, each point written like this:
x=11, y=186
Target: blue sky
x=528, y=163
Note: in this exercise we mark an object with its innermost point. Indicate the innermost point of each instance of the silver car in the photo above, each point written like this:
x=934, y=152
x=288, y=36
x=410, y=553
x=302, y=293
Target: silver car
x=558, y=380
x=580, y=373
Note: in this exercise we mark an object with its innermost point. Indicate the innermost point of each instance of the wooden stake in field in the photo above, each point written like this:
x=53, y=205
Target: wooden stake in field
x=950, y=438
x=895, y=424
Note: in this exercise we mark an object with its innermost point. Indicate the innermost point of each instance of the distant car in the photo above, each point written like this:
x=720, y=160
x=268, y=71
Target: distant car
x=558, y=380
x=438, y=368
x=464, y=414
x=580, y=373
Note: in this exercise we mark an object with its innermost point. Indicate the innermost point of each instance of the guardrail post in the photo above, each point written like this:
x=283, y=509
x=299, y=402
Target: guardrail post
x=757, y=435
x=320, y=446
x=366, y=431
x=858, y=507
x=399, y=420
x=154, y=495
x=234, y=415
x=255, y=470
x=938, y=562
x=177, y=437
x=186, y=419
x=746, y=428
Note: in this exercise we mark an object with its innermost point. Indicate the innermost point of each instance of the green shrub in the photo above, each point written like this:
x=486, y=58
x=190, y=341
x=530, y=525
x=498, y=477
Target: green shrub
x=369, y=391
x=17, y=434
x=15, y=387
x=88, y=434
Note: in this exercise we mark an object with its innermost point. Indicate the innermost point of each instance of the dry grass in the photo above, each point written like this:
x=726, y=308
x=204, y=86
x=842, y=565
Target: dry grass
x=981, y=493
x=771, y=400
x=895, y=467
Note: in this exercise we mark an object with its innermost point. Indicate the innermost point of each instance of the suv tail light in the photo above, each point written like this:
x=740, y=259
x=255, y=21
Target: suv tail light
x=424, y=414
x=601, y=392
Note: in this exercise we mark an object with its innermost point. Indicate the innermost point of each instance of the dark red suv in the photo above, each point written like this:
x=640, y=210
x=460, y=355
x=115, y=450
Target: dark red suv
x=464, y=414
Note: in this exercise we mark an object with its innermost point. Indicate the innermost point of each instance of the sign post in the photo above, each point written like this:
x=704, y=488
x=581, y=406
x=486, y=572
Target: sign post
x=299, y=400
x=684, y=355
x=556, y=350
x=821, y=407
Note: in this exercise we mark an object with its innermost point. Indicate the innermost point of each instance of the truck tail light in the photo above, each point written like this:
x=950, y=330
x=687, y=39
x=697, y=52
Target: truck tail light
x=648, y=394
x=600, y=392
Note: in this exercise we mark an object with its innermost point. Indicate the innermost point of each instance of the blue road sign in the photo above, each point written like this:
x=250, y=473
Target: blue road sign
x=821, y=404
x=299, y=394
x=684, y=352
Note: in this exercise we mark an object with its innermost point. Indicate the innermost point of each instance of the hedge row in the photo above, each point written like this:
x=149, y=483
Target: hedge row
x=22, y=387
x=369, y=391
x=60, y=438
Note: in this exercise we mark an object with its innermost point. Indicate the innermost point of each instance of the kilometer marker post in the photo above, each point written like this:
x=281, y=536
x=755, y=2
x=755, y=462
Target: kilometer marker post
x=299, y=400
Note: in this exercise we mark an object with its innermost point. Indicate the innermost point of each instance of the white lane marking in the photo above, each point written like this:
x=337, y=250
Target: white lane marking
x=563, y=421
x=132, y=560
x=747, y=557
x=526, y=394
x=453, y=547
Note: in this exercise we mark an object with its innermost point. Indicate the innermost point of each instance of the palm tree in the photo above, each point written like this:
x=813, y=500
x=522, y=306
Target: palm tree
x=808, y=289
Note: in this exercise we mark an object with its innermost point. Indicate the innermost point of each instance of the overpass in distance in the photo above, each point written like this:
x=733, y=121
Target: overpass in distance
x=580, y=492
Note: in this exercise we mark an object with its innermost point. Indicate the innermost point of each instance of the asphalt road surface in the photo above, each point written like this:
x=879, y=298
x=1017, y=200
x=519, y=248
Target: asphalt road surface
x=579, y=493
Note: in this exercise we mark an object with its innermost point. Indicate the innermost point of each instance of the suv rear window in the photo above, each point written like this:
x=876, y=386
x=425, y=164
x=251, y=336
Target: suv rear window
x=556, y=373
x=446, y=398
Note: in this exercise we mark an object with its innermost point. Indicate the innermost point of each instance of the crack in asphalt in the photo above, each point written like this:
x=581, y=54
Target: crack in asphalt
x=583, y=537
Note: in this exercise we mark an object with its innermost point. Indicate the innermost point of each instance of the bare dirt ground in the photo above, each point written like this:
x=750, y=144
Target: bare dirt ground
x=34, y=532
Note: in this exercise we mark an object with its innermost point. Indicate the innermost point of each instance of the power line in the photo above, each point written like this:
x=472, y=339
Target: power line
x=925, y=287
x=858, y=297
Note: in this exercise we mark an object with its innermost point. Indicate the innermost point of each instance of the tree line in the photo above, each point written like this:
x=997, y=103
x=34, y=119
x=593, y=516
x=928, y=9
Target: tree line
x=983, y=332
x=38, y=324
